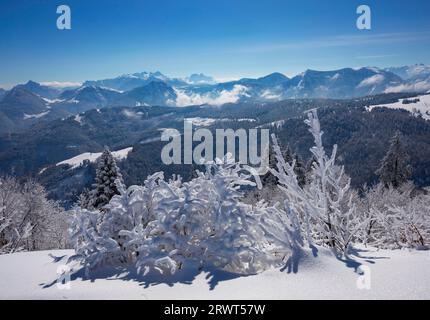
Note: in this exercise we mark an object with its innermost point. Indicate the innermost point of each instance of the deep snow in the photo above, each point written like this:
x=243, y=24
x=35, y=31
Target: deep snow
x=78, y=160
x=423, y=106
x=398, y=274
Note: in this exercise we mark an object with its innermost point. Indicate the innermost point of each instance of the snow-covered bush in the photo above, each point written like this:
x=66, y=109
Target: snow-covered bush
x=203, y=220
x=395, y=217
x=28, y=220
x=164, y=224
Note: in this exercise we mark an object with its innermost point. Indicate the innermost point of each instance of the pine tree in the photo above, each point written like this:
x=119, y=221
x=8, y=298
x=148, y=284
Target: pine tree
x=394, y=169
x=268, y=179
x=300, y=170
x=105, y=187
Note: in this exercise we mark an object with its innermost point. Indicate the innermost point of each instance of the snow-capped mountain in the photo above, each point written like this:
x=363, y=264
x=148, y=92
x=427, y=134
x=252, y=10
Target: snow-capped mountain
x=409, y=72
x=417, y=78
x=199, y=78
x=343, y=83
x=155, y=88
x=128, y=82
x=41, y=90
x=20, y=108
x=154, y=93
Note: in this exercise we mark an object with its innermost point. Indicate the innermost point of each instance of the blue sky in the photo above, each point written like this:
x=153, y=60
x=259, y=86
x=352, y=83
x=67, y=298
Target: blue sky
x=223, y=38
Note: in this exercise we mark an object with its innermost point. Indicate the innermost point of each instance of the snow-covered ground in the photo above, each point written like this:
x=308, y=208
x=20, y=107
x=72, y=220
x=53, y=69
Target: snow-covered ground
x=398, y=274
x=420, y=107
x=92, y=157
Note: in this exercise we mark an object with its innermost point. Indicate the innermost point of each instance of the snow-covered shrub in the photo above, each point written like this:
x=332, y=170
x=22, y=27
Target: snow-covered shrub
x=226, y=230
x=28, y=220
x=164, y=224
x=395, y=217
x=324, y=206
x=203, y=220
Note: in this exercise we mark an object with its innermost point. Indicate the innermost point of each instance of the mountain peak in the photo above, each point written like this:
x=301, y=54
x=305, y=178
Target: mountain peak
x=200, y=78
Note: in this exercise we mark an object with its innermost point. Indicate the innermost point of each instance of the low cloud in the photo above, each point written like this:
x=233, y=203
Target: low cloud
x=412, y=87
x=58, y=84
x=376, y=79
x=216, y=99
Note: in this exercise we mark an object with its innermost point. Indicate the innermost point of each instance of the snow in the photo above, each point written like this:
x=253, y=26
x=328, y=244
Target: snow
x=75, y=162
x=132, y=114
x=397, y=274
x=206, y=122
x=423, y=106
x=51, y=101
x=35, y=116
x=277, y=124
x=78, y=119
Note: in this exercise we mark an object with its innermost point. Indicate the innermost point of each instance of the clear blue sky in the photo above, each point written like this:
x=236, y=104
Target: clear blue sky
x=222, y=38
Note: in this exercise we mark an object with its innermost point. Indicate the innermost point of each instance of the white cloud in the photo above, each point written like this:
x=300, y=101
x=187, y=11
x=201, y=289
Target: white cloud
x=217, y=99
x=412, y=87
x=373, y=80
x=269, y=95
x=58, y=84
x=131, y=114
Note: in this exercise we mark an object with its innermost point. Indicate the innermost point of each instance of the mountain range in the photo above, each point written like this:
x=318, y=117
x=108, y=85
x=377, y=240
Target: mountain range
x=28, y=103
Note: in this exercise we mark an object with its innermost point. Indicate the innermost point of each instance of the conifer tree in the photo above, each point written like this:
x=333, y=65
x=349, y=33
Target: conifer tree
x=300, y=170
x=104, y=187
x=394, y=169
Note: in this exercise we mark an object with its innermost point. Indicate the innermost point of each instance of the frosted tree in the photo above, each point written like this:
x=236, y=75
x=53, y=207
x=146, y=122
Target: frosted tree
x=105, y=186
x=396, y=217
x=394, y=169
x=324, y=207
x=14, y=229
x=28, y=220
x=84, y=199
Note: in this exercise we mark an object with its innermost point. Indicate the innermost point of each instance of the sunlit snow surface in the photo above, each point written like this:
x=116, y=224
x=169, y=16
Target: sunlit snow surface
x=92, y=157
x=421, y=107
x=397, y=274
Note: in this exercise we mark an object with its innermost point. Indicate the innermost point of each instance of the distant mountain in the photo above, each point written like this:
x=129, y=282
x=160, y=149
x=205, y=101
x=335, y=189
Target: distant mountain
x=2, y=93
x=409, y=72
x=343, y=83
x=19, y=101
x=131, y=81
x=273, y=79
x=91, y=97
x=417, y=78
x=200, y=78
x=154, y=88
x=21, y=108
x=43, y=91
x=155, y=93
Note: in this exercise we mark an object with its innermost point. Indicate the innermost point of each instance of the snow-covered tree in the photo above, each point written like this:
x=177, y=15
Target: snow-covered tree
x=395, y=217
x=28, y=220
x=105, y=186
x=324, y=207
x=394, y=169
